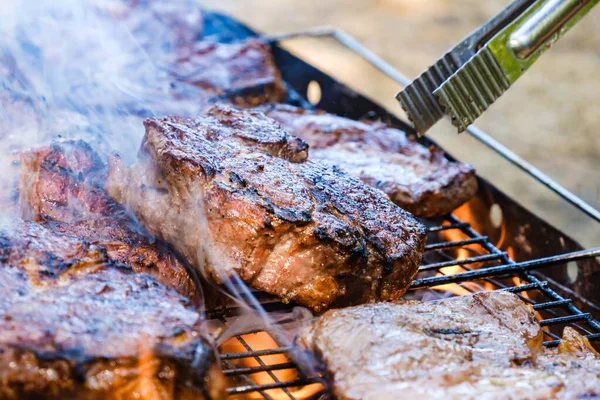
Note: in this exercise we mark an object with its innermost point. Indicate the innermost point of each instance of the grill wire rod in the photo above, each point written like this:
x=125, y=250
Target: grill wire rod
x=506, y=269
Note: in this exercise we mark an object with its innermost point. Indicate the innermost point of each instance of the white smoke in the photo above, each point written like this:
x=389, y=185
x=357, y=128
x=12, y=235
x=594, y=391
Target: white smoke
x=91, y=70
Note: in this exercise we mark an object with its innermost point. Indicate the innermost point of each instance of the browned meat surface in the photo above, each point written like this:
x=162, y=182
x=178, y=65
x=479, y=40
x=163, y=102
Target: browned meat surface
x=419, y=179
x=488, y=345
x=232, y=191
x=170, y=32
x=62, y=186
x=75, y=325
x=577, y=362
x=243, y=72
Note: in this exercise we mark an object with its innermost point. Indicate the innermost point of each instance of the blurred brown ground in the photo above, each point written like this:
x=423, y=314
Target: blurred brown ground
x=551, y=117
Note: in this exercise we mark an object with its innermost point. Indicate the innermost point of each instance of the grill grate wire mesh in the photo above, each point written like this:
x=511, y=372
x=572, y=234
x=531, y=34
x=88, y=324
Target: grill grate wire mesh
x=491, y=269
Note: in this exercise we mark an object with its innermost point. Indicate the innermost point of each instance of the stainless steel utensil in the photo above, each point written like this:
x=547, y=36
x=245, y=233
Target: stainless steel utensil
x=471, y=76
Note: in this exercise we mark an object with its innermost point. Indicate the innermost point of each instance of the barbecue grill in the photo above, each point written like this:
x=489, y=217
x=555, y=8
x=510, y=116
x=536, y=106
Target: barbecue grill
x=473, y=249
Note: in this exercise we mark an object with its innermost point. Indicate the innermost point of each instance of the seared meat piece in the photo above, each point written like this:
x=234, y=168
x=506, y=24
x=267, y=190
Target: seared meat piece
x=75, y=325
x=231, y=191
x=62, y=186
x=164, y=29
x=419, y=179
x=577, y=363
x=244, y=73
x=487, y=345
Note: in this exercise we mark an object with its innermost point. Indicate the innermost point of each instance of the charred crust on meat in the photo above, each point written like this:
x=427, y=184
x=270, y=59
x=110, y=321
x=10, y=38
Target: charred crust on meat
x=252, y=76
x=448, y=331
x=53, y=352
x=84, y=209
x=321, y=233
x=418, y=178
x=235, y=178
x=288, y=214
x=388, y=266
x=446, y=349
x=268, y=223
x=267, y=202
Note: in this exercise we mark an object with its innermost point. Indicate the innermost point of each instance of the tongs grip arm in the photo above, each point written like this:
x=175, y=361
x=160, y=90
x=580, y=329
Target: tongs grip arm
x=554, y=17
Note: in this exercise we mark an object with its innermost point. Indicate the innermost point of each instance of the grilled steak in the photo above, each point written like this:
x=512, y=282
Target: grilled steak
x=73, y=324
x=577, y=363
x=231, y=191
x=419, y=179
x=165, y=30
x=244, y=73
x=62, y=186
x=487, y=345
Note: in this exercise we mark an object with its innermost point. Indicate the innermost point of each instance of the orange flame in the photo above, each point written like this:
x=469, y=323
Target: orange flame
x=145, y=384
x=517, y=282
x=264, y=341
x=148, y=385
x=464, y=213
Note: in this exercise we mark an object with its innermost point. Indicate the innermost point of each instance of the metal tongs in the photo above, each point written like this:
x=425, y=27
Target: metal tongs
x=471, y=76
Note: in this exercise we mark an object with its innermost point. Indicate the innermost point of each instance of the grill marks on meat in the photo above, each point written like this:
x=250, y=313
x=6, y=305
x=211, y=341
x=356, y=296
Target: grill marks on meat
x=232, y=191
x=75, y=325
x=488, y=345
x=62, y=187
x=419, y=179
x=244, y=72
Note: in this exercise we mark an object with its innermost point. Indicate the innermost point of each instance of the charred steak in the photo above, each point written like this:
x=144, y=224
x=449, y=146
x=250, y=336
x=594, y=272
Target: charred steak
x=488, y=345
x=73, y=324
x=232, y=191
x=244, y=72
x=62, y=187
x=419, y=179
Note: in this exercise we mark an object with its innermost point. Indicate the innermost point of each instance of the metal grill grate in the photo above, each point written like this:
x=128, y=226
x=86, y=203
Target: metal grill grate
x=450, y=266
x=240, y=367
x=493, y=269
x=457, y=260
